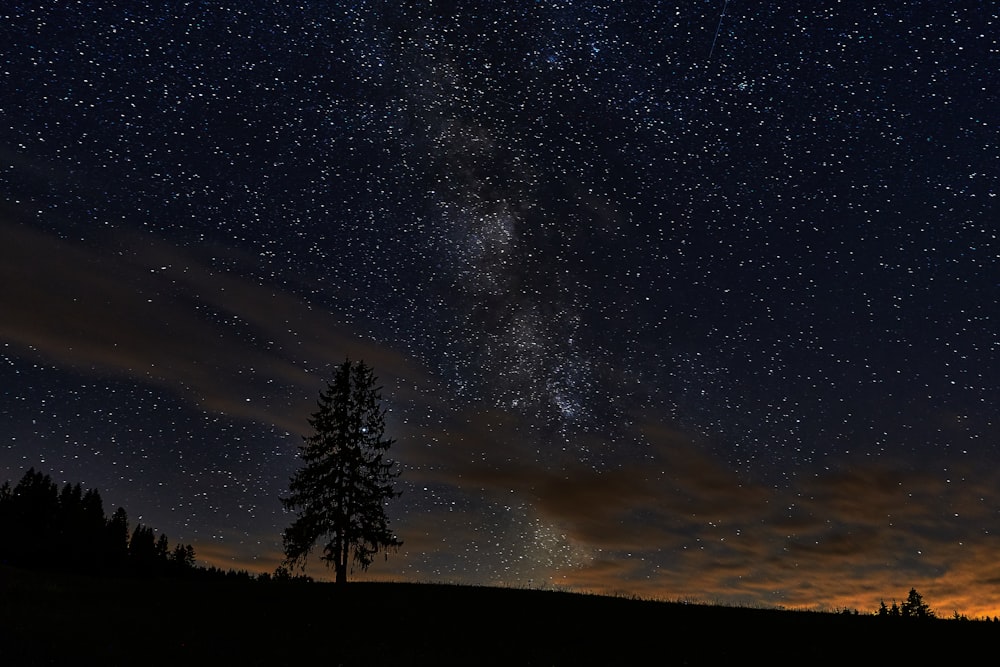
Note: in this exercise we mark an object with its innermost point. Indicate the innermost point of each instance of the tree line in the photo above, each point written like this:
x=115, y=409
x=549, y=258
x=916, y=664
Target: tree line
x=913, y=607
x=45, y=527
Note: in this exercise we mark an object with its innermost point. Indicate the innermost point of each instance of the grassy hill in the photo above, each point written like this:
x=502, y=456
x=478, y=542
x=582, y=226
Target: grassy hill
x=63, y=619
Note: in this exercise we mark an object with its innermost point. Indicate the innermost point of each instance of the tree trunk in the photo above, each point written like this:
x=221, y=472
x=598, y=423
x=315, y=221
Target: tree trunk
x=342, y=552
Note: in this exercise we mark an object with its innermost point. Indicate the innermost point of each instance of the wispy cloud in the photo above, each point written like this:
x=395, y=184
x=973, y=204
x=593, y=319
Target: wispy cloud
x=677, y=522
x=147, y=310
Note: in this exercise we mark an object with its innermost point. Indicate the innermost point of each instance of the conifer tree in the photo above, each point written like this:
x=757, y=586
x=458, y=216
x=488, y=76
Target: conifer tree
x=915, y=607
x=162, y=549
x=340, y=492
x=142, y=550
x=116, y=534
x=35, y=520
x=182, y=557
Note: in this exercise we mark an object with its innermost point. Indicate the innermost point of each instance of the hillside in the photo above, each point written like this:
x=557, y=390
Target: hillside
x=64, y=619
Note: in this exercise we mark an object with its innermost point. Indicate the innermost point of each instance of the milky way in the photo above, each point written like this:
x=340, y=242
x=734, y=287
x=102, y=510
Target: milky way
x=684, y=299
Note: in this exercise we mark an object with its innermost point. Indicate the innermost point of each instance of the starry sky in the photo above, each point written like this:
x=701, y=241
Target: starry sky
x=689, y=300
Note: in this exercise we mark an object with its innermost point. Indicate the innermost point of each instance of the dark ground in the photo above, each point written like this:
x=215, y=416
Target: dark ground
x=63, y=619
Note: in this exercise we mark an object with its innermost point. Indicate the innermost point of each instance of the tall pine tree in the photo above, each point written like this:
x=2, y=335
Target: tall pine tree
x=341, y=491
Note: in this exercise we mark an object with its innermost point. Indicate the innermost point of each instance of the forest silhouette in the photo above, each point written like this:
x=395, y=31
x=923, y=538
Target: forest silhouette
x=43, y=527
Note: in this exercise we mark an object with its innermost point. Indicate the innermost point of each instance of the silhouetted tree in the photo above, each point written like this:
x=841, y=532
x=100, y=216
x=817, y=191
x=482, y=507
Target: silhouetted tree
x=5, y=503
x=6, y=522
x=34, y=521
x=116, y=540
x=142, y=550
x=162, y=549
x=341, y=491
x=91, y=533
x=915, y=607
x=79, y=526
x=182, y=558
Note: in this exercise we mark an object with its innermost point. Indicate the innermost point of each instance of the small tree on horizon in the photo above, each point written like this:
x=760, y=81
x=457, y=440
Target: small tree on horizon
x=341, y=491
x=915, y=607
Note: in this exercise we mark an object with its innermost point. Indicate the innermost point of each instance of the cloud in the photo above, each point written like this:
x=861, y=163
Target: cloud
x=652, y=497
x=144, y=309
x=671, y=520
x=222, y=555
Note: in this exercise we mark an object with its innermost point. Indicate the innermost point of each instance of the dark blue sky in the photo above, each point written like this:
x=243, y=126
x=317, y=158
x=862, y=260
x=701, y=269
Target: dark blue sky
x=715, y=327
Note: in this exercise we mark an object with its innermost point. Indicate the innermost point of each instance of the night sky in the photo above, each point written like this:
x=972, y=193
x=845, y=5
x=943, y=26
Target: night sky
x=684, y=300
